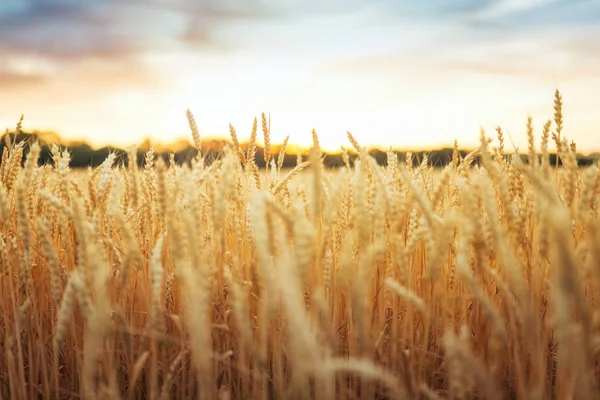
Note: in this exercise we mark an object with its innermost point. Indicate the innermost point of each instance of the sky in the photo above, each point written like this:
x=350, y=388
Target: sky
x=410, y=74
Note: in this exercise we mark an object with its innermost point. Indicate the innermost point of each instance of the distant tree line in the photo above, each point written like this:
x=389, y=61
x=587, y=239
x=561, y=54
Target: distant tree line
x=83, y=155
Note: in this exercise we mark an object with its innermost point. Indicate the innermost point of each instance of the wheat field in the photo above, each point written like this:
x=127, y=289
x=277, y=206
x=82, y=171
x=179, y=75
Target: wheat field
x=220, y=281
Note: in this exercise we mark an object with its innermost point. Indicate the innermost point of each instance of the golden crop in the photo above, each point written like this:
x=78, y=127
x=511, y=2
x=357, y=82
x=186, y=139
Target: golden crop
x=369, y=282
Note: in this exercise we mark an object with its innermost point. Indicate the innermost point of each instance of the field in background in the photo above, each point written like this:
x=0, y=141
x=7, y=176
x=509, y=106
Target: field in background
x=368, y=282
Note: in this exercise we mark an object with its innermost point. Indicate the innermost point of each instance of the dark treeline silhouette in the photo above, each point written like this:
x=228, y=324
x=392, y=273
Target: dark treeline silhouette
x=83, y=155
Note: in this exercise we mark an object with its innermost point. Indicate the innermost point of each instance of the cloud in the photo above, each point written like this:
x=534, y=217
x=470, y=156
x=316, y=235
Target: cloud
x=503, y=8
x=67, y=31
x=564, y=59
x=94, y=46
x=440, y=53
x=530, y=15
x=64, y=32
x=10, y=80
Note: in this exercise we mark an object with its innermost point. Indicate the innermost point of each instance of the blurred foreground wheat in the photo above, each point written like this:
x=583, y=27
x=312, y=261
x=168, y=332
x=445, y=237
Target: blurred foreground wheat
x=216, y=281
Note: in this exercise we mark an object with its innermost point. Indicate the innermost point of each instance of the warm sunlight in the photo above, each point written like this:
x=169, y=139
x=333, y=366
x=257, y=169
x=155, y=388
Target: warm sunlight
x=394, y=75
x=431, y=230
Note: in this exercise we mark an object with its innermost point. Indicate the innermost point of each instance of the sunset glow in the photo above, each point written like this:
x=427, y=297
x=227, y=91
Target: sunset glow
x=402, y=73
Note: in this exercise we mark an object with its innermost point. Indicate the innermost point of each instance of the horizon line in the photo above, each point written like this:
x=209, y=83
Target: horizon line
x=184, y=141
